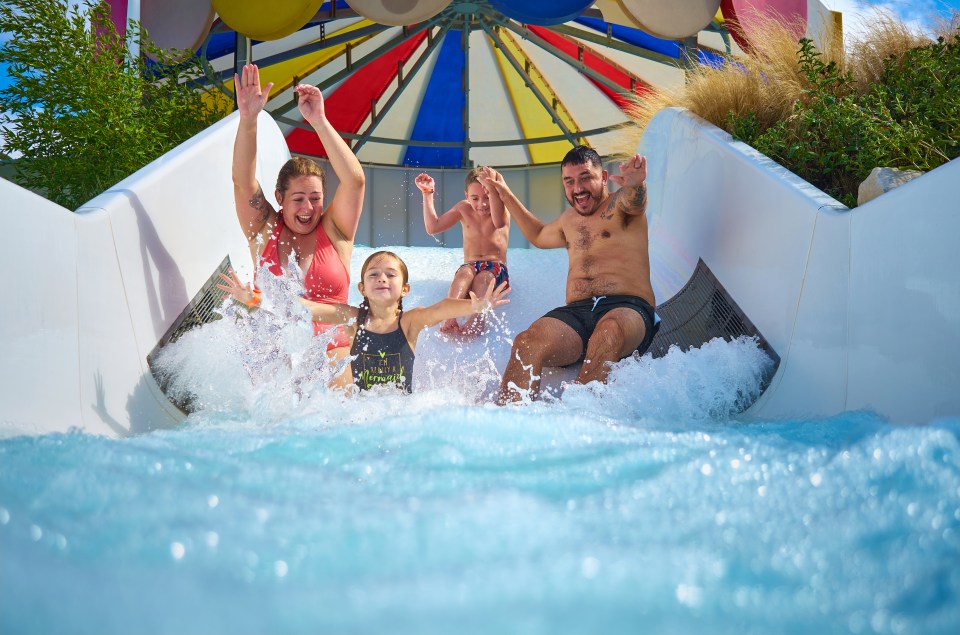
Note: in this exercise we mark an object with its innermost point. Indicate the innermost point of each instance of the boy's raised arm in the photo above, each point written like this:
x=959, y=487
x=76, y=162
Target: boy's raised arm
x=431, y=222
x=498, y=213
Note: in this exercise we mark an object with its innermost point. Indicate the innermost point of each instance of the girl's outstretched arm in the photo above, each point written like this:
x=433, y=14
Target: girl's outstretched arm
x=330, y=313
x=421, y=317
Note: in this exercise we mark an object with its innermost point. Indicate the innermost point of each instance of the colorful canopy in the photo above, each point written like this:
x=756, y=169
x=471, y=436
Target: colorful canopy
x=453, y=83
x=469, y=85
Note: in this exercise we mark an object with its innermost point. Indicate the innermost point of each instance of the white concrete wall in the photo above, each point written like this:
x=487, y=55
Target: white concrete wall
x=862, y=305
x=95, y=290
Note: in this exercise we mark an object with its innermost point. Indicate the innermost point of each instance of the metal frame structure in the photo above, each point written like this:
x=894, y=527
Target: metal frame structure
x=476, y=15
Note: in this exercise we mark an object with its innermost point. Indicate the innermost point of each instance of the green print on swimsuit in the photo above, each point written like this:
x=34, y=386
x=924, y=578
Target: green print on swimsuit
x=380, y=368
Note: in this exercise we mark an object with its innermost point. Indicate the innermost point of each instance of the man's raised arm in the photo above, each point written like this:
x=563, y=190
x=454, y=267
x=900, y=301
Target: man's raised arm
x=540, y=234
x=631, y=198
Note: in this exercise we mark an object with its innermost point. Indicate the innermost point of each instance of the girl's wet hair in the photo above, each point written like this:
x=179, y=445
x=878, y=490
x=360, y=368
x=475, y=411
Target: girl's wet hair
x=365, y=306
x=298, y=166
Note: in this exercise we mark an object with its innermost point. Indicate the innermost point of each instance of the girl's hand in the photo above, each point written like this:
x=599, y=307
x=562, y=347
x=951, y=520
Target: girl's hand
x=251, y=99
x=493, y=298
x=426, y=183
x=310, y=102
x=244, y=293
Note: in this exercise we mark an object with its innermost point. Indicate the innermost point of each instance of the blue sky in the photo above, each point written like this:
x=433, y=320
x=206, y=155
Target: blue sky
x=916, y=12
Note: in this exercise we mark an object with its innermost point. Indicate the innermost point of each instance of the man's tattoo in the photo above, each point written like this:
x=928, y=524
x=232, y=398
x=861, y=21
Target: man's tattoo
x=634, y=198
x=259, y=203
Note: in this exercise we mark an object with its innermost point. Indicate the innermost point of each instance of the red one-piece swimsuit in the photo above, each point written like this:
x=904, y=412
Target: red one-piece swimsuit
x=326, y=280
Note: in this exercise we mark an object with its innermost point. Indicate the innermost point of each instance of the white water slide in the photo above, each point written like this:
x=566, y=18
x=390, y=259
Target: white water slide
x=861, y=307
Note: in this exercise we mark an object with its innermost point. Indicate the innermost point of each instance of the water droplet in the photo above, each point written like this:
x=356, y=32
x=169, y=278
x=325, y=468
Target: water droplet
x=815, y=479
x=589, y=567
x=213, y=500
x=177, y=550
x=280, y=568
x=35, y=533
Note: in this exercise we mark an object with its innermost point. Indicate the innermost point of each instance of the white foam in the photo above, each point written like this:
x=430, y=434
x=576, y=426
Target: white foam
x=267, y=366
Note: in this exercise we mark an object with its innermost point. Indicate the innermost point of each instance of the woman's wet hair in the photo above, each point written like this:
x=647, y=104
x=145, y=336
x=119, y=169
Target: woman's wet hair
x=298, y=166
x=365, y=306
x=581, y=155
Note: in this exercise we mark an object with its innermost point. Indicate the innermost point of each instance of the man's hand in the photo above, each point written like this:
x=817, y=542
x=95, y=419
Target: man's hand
x=633, y=172
x=490, y=178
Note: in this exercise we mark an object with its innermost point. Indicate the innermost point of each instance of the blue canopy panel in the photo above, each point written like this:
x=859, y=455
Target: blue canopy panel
x=641, y=39
x=441, y=110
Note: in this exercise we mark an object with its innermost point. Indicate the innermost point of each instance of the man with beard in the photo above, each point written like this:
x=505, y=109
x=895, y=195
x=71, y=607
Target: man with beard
x=610, y=302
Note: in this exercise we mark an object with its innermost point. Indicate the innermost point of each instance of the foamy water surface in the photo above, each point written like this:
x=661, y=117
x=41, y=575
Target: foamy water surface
x=639, y=506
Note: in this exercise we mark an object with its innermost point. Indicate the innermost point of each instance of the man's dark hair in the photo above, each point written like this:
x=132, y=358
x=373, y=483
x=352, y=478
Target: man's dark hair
x=582, y=154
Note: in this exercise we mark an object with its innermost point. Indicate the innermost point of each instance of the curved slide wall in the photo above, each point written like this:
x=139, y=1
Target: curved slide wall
x=863, y=305
x=92, y=292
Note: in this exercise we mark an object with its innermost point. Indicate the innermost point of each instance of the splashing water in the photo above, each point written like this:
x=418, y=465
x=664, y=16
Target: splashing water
x=642, y=505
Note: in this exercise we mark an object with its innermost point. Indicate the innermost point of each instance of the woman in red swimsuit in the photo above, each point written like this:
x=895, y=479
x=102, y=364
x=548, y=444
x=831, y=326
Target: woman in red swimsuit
x=321, y=240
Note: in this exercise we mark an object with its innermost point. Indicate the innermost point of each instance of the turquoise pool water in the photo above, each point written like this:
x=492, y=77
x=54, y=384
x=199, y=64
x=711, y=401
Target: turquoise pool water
x=641, y=506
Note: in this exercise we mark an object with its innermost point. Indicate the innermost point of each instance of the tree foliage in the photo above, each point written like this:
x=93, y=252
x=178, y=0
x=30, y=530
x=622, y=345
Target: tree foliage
x=81, y=113
x=910, y=119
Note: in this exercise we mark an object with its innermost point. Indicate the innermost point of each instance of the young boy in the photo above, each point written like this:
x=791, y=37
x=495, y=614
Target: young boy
x=486, y=230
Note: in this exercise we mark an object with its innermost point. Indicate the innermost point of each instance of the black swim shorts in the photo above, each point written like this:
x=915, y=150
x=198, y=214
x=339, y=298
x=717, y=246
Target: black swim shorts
x=582, y=316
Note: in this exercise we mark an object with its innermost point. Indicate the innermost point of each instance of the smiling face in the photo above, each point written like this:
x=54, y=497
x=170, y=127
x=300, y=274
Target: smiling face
x=478, y=198
x=302, y=203
x=585, y=186
x=383, y=279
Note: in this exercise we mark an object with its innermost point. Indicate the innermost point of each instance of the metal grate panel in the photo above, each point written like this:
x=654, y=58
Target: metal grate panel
x=202, y=309
x=701, y=311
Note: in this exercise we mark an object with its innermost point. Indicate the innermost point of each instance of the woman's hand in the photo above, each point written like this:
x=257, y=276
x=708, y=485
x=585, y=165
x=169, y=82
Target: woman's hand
x=310, y=102
x=251, y=99
x=493, y=298
x=240, y=291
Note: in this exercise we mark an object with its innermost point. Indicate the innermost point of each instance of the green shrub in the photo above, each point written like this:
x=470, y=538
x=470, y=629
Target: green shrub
x=82, y=114
x=836, y=135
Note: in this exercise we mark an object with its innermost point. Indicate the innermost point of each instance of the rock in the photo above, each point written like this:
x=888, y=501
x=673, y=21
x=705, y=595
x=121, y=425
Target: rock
x=881, y=181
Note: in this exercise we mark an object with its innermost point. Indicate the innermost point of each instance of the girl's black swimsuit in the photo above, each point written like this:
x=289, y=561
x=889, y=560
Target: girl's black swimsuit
x=382, y=358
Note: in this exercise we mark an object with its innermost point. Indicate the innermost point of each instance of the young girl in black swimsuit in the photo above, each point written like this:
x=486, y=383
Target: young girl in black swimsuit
x=384, y=335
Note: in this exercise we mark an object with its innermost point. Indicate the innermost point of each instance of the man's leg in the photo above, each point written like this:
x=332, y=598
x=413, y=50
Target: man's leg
x=617, y=335
x=458, y=289
x=481, y=284
x=548, y=342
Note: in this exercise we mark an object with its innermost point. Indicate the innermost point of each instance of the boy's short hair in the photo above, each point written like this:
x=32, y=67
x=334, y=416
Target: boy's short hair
x=582, y=154
x=472, y=175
